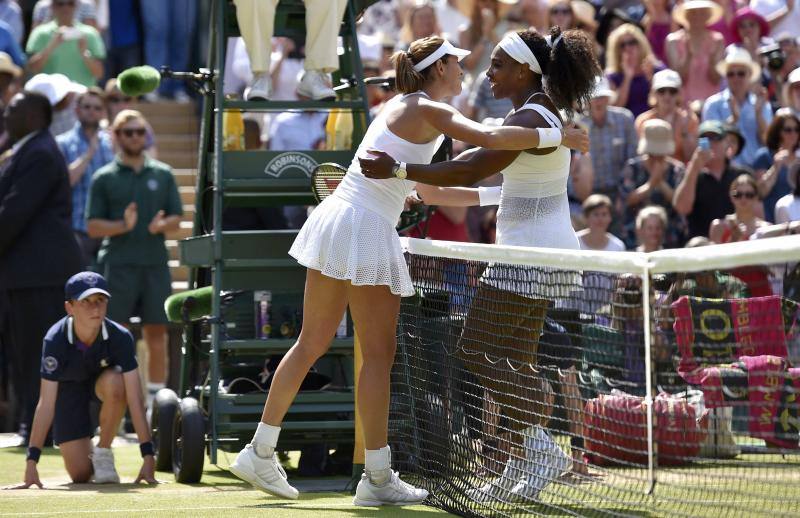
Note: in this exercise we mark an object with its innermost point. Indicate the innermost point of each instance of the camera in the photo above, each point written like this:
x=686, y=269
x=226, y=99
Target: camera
x=774, y=56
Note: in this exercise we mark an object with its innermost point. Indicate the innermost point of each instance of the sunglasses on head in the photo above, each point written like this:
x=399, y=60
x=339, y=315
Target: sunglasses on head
x=129, y=132
x=750, y=195
x=628, y=43
x=737, y=73
x=667, y=90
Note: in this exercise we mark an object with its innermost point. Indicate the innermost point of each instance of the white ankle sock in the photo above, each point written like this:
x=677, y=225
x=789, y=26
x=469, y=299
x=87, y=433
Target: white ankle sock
x=377, y=464
x=265, y=439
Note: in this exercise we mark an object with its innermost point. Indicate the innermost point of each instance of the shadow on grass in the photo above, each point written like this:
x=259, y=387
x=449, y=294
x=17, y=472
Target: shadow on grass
x=351, y=510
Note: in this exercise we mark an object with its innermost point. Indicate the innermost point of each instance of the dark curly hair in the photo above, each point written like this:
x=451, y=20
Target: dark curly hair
x=571, y=67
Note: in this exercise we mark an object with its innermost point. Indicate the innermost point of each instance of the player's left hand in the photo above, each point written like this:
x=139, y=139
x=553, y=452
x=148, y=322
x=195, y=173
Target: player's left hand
x=156, y=225
x=148, y=471
x=376, y=164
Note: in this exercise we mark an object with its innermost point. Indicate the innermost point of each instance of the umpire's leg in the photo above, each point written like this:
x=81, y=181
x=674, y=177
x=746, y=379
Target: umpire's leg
x=30, y=313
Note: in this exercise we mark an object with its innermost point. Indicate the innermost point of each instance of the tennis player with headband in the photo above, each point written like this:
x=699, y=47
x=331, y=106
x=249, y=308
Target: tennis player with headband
x=353, y=256
x=507, y=314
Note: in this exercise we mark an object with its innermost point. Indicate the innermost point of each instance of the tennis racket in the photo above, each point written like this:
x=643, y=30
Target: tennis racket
x=328, y=175
x=325, y=178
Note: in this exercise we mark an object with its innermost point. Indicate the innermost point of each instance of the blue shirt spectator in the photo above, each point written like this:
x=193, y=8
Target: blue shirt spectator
x=9, y=45
x=74, y=144
x=11, y=13
x=752, y=112
x=718, y=108
x=612, y=142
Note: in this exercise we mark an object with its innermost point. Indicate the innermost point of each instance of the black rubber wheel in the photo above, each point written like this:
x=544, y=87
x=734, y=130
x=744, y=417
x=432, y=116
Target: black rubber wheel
x=162, y=418
x=189, y=441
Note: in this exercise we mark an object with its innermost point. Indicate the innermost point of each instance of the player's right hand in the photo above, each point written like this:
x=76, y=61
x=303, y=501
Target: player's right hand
x=130, y=216
x=31, y=477
x=576, y=138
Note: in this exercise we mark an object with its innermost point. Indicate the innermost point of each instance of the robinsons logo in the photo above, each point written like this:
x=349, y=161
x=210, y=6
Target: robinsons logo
x=285, y=162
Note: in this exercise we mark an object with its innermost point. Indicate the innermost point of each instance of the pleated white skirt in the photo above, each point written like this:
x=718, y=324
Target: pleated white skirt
x=347, y=242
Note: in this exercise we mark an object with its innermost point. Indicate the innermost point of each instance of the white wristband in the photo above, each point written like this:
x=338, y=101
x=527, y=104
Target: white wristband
x=549, y=137
x=489, y=195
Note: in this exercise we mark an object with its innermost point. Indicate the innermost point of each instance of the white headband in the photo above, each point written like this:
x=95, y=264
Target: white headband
x=519, y=51
x=444, y=48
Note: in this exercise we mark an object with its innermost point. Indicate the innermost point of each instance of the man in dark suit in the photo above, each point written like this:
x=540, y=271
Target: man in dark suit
x=38, y=251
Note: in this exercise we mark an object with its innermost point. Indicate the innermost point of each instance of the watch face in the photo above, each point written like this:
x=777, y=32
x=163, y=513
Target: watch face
x=401, y=173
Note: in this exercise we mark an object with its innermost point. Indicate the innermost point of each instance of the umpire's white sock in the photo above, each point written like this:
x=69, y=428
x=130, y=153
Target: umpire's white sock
x=265, y=439
x=377, y=464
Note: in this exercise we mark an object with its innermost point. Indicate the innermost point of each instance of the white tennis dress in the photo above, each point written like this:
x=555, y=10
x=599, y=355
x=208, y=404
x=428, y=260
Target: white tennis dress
x=351, y=235
x=534, y=212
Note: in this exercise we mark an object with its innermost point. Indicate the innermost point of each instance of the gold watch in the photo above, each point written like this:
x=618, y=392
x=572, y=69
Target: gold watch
x=399, y=170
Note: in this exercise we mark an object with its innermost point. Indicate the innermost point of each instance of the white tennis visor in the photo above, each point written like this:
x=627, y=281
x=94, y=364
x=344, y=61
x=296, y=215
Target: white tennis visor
x=444, y=49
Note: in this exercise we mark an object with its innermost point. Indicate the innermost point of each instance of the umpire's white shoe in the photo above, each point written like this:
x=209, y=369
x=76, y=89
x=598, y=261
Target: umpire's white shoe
x=264, y=473
x=259, y=88
x=103, y=464
x=393, y=492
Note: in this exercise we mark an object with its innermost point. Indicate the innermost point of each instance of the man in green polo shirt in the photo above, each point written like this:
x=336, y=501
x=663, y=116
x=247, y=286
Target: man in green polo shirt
x=66, y=46
x=133, y=202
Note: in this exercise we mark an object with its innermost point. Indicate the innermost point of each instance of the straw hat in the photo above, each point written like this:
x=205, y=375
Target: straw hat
x=657, y=138
x=679, y=13
x=584, y=13
x=739, y=56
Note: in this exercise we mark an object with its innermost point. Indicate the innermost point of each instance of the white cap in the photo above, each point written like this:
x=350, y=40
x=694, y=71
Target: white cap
x=53, y=86
x=444, y=49
x=666, y=79
x=603, y=89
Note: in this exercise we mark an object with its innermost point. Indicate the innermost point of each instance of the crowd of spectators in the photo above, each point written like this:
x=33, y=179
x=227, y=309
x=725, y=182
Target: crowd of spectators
x=65, y=126
x=695, y=93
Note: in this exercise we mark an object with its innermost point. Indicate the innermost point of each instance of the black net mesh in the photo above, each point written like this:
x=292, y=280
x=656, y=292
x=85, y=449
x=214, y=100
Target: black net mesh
x=522, y=390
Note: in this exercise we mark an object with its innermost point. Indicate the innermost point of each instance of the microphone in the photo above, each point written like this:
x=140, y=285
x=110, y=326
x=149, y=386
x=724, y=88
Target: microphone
x=196, y=303
x=138, y=81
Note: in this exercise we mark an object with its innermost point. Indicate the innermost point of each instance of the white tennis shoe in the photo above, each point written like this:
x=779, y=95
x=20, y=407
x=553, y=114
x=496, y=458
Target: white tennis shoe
x=499, y=489
x=103, y=464
x=546, y=462
x=264, y=473
x=393, y=492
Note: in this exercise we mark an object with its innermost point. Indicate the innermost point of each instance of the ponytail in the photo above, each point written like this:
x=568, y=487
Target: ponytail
x=570, y=66
x=408, y=80
x=573, y=70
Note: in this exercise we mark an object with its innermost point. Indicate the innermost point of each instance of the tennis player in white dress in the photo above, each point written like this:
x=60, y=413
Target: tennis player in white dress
x=353, y=256
x=540, y=75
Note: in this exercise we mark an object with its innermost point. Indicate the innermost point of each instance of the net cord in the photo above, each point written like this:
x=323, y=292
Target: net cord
x=729, y=255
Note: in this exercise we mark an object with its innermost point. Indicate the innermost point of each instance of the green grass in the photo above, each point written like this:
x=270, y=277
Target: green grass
x=219, y=494
x=750, y=485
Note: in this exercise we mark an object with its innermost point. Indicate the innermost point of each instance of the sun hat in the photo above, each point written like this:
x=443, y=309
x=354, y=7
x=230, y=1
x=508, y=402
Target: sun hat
x=657, y=138
x=679, y=13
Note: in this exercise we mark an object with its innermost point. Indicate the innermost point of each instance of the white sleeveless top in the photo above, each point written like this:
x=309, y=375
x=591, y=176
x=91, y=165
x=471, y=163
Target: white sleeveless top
x=534, y=210
x=384, y=197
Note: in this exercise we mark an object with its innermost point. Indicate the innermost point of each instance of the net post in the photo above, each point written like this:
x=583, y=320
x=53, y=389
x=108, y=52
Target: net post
x=358, y=447
x=648, y=376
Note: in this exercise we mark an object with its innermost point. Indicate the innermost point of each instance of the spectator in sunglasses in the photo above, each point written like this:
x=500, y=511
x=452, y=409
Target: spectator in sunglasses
x=116, y=101
x=774, y=161
x=739, y=226
x=665, y=99
x=133, y=203
x=741, y=103
x=702, y=195
x=630, y=64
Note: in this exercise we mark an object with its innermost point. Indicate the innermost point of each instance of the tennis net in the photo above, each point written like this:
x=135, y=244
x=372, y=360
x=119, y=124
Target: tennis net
x=553, y=382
